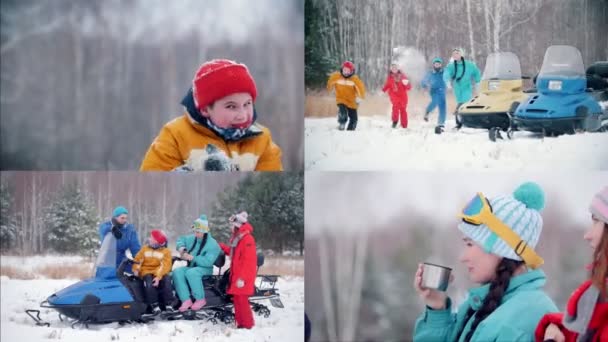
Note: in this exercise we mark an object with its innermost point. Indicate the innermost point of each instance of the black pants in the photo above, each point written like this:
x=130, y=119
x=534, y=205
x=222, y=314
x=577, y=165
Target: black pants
x=163, y=294
x=347, y=114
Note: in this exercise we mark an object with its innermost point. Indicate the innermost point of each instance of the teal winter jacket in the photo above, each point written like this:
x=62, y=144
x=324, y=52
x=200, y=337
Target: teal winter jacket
x=203, y=257
x=469, y=75
x=515, y=319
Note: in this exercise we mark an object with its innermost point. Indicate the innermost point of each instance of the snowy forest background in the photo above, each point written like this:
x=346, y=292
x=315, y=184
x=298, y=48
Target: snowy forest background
x=87, y=84
x=59, y=212
x=367, y=232
x=367, y=31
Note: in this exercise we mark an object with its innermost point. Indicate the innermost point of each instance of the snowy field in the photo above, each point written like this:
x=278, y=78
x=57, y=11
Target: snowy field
x=377, y=146
x=17, y=295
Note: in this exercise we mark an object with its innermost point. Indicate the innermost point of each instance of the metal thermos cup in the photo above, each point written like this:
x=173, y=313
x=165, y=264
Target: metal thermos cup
x=435, y=277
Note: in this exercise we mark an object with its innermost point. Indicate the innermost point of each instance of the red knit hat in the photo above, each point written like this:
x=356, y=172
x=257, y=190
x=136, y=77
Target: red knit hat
x=159, y=236
x=219, y=78
x=349, y=65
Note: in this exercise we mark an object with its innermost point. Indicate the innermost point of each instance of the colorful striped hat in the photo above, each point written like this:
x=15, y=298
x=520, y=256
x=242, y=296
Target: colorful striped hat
x=520, y=212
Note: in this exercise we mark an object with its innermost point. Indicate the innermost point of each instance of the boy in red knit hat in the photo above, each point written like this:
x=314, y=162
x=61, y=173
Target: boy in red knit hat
x=218, y=132
x=153, y=264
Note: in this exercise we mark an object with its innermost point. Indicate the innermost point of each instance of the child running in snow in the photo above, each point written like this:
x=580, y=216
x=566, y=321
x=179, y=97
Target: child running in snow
x=433, y=81
x=397, y=86
x=153, y=264
x=243, y=268
x=200, y=250
x=586, y=314
x=500, y=235
x=349, y=92
x=218, y=131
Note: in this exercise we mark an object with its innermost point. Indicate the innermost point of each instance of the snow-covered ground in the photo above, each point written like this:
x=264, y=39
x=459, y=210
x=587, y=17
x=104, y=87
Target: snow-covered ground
x=377, y=146
x=18, y=295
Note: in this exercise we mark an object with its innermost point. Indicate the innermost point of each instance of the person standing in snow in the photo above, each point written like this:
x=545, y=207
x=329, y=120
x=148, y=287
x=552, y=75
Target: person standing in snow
x=397, y=86
x=500, y=235
x=243, y=268
x=349, y=92
x=461, y=75
x=218, y=131
x=125, y=234
x=200, y=250
x=586, y=314
x=434, y=82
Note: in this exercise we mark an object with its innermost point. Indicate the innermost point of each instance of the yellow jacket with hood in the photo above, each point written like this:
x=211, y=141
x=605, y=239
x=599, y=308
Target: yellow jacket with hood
x=184, y=142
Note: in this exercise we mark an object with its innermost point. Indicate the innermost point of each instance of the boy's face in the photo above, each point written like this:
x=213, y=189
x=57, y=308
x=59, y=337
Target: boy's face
x=198, y=234
x=232, y=111
x=437, y=65
x=394, y=68
x=152, y=241
x=346, y=71
x=456, y=55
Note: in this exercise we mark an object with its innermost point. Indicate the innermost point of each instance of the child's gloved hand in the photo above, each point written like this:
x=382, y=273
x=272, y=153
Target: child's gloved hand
x=187, y=256
x=155, y=281
x=449, y=85
x=358, y=100
x=136, y=273
x=405, y=81
x=240, y=283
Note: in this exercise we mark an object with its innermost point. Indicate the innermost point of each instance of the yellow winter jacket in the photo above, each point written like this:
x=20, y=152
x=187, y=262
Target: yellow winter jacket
x=153, y=261
x=347, y=89
x=184, y=142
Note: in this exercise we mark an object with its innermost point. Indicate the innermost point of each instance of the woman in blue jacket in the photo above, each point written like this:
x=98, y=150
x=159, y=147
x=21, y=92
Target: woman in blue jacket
x=499, y=236
x=125, y=234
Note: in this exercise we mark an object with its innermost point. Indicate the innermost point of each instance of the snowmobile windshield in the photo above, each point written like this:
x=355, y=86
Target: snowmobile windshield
x=105, y=266
x=502, y=66
x=562, y=60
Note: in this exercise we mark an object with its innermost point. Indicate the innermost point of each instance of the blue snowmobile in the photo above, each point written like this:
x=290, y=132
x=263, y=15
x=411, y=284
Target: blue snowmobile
x=563, y=102
x=113, y=295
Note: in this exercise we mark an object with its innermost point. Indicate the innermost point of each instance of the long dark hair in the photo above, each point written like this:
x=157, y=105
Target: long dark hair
x=599, y=269
x=498, y=288
x=464, y=69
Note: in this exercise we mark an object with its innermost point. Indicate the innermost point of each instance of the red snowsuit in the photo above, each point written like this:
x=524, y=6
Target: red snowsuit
x=397, y=93
x=598, y=323
x=243, y=267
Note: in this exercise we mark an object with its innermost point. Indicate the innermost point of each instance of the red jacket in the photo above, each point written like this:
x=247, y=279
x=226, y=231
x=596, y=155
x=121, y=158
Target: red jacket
x=243, y=261
x=397, y=91
x=599, y=319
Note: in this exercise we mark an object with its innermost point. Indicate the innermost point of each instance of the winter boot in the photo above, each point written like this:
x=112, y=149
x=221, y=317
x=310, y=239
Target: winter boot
x=394, y=124
x=426, y=116
x=185, y=306
x=438, y=129
x=198, y=304
x=342, y=126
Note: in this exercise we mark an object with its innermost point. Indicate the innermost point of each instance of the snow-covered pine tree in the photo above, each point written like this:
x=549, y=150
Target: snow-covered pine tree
x=8, y=225
x=71, y=222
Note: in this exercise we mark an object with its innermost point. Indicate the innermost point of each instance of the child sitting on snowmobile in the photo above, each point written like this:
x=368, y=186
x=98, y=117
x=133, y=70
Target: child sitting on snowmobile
x=434, y=82
x=153, y=264
x=396, y=86
x=200, y=250
x=218, y=131
x=349, y=90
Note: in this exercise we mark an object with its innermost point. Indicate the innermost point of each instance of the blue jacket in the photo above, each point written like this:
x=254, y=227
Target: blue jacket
x=204, y=257
x=434, y=81
x=515, y=319
x=129, y=240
